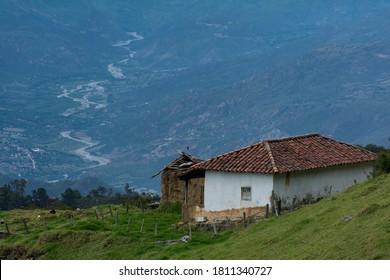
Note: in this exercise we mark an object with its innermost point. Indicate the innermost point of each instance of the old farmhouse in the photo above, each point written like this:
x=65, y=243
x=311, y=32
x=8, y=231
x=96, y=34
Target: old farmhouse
x=289, y=170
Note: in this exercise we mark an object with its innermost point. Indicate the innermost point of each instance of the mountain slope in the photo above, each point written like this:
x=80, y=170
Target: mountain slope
x=113, y=90
x=340, y=89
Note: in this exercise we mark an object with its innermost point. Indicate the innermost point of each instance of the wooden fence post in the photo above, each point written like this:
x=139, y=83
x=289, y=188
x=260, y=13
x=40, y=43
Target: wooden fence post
x=128, y=224
x=279, y=206
x=142, y=225
x=109, y=206
x=267, y=211
x=155, y=229
x=215, y=228
x=25, y=226
x=73, y=221
x=101, y=213
x=127, y=208
x=96, y=215
x=228, y=223
x=276, y=208
x=330, y=191
x=189, y=231
x=6, y=227
x=244, y=219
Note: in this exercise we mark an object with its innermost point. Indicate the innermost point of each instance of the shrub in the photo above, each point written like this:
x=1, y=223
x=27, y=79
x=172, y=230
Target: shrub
x=382, y=164
x=169, y=207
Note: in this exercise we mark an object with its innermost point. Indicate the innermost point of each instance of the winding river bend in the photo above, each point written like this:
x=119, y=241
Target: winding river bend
x=84, y=94
x=92, y=95
x=83, y=152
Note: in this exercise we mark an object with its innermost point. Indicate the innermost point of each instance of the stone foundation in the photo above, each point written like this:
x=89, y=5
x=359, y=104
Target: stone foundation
x=193, y=213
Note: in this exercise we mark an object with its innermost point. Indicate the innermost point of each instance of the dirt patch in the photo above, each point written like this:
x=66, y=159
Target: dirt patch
x=369, y=190
x=20, y=252
x=369, y=209
x=53, y=237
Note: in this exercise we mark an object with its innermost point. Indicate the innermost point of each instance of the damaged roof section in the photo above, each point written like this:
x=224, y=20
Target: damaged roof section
x=183, y=162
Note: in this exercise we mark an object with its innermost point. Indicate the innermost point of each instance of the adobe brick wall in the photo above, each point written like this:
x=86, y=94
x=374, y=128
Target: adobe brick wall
x=196, y=192
x=172, y=189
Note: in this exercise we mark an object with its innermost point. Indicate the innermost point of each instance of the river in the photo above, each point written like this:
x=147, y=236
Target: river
x=83, y=152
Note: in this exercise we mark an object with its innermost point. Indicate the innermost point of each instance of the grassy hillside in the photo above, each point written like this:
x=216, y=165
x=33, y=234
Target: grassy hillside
x=59, y=236
x=317, y=231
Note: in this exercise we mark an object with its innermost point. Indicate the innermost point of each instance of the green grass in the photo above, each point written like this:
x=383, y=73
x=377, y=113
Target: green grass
x=56, y=237
x=316, y=231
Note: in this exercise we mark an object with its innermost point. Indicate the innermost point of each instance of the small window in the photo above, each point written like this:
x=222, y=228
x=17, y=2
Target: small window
x=246, y=193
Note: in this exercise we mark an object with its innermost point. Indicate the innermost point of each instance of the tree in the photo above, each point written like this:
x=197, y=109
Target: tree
x=99, y=192
x=131, y=193
x=5, y=197
x=70, y=197
x=12, y=195
x=40, y=197
x=373, y=148
x=383, y=162
x=19, y=185
x=17, y=195
x=109, y=192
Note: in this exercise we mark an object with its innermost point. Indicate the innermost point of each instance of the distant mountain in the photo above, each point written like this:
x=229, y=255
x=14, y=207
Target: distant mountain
x=112, y=90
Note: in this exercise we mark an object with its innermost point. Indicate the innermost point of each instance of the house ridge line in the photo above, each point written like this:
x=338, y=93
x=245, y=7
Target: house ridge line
x=262, y=143
x=271, y=156
x=293, y=137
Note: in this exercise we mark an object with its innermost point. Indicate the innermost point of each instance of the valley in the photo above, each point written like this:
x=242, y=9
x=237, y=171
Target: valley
x=112, y=91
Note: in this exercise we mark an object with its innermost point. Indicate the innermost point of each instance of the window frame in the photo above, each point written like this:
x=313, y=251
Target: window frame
x=246, y=193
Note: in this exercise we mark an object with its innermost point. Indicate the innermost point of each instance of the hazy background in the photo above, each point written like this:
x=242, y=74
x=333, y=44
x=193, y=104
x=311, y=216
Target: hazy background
x=105, y=92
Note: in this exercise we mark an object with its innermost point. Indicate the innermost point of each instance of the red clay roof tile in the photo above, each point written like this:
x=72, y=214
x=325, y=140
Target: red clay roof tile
x=287, y=155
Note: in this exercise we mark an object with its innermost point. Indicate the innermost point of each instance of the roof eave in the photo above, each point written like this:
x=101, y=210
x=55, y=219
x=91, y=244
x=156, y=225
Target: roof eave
x=192, y=174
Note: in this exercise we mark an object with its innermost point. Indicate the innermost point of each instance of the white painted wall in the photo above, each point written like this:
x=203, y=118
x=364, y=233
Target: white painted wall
x=318, y=181
x=222, y=190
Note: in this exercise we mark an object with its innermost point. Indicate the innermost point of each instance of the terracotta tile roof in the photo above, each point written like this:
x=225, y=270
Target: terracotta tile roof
x=287, y=155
